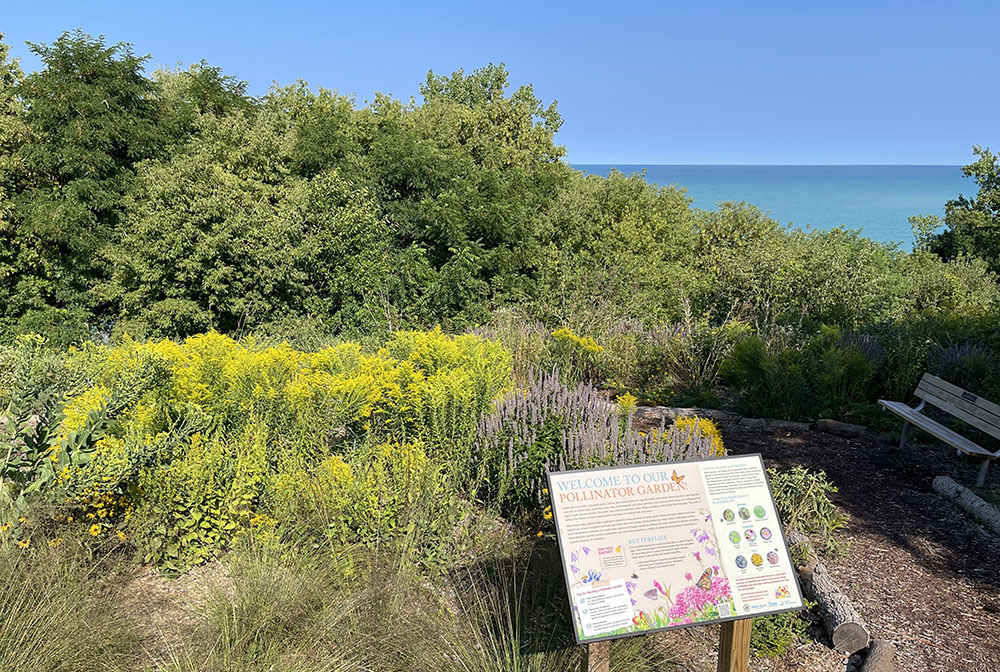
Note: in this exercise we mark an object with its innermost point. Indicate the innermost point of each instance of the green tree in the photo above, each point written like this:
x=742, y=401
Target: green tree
x=462, y=180
x=185, y=94
x=972, y=225
x=90, y=115
x=15, y=258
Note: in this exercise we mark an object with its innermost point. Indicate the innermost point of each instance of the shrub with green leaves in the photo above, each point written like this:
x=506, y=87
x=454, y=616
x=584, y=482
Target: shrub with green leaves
x=804, y=504
x=771, y=636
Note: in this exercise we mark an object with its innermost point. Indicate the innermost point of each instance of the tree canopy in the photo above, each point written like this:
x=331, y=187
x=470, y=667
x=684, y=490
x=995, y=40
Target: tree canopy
x=171, y=203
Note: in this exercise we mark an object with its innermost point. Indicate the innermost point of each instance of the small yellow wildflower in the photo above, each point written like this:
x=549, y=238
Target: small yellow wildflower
x=54, y=543
x=120, y=535
x=94, y=530
x=548, y=516
x=539, y=533
x=4, y=527
x=23, y=520
x=545, y=491
x=24, y=543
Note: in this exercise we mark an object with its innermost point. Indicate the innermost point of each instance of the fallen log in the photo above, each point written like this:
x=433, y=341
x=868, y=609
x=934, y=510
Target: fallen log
x=985, y=514
x=841, y=620
x=881, y=657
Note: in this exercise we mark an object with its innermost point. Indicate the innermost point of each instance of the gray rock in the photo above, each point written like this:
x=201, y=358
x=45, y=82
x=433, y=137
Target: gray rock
x=838, y=428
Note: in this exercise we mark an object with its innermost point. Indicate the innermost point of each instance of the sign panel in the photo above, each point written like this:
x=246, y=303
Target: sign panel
x=655, y=546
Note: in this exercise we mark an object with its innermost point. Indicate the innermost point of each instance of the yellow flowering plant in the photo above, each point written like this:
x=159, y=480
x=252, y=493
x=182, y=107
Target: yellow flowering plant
x=577, y=357
x=185, y=442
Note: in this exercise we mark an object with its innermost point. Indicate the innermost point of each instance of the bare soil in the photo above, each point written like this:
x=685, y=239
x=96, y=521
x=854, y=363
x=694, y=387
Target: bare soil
x=920, y=572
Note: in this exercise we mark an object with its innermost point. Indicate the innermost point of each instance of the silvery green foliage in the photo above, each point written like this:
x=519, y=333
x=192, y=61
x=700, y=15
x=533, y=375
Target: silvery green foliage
x=548, y=425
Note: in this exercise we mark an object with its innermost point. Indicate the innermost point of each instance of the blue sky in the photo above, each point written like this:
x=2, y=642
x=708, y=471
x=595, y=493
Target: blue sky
x=658, y=82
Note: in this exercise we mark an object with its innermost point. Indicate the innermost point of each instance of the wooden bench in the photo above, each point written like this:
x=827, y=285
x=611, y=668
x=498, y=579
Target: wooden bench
x=982, y=414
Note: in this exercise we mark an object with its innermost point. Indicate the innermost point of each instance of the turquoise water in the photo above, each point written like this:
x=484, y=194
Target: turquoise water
x=876, y=199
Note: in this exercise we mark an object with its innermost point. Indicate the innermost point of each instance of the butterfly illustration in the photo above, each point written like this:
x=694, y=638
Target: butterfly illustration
x=651, y=594
x=677, y=479
x=705, y=582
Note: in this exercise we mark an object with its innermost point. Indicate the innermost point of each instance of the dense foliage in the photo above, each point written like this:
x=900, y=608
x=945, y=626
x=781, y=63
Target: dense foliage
x=172, y=204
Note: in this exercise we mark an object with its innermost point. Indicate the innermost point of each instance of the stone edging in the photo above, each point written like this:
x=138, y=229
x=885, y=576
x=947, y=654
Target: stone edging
x=835, y=427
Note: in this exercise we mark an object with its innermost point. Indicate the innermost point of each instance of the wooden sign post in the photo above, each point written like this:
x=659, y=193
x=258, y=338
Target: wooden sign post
x=734, y=646
x=596, y=657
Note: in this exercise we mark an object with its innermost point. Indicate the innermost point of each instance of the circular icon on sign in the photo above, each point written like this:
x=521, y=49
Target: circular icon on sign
x=734, y=537
x=765, y=533
x=750, y=535
x=741, y=562
x=745, y=513
x=756, y=560
x=772, y=557
x=729, y=515
x=759, y=511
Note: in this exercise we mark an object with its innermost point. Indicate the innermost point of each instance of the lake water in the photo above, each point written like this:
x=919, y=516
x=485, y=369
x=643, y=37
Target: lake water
x=876, y=199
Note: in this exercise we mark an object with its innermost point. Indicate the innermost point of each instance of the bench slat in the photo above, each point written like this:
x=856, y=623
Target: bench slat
x=936, y=429
x=949, y=398
x=974, y=404
x=983, y=403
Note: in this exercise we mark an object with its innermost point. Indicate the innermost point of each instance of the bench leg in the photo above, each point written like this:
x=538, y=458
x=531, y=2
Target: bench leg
x=982, y=473
x=902, y=434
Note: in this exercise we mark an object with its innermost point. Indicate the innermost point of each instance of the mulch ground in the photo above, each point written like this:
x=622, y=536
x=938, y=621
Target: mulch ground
x=920, y=573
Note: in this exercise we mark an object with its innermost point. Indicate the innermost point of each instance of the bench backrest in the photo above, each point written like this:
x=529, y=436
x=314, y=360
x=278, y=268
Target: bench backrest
x=967, y=407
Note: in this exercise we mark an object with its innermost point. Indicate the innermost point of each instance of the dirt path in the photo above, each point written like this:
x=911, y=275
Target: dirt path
x=920, y=573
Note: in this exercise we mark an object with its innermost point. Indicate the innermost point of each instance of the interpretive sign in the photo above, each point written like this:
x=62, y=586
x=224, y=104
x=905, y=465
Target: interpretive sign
x=655, y=546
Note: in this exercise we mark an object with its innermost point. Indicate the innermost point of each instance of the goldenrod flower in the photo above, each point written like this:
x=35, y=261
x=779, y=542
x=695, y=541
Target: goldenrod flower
x=94, y=530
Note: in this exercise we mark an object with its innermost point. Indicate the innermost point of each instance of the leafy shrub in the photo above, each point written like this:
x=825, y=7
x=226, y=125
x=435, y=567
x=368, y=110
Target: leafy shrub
x=686, y=357
x=830, y=375
x=771, y=636
x=32, y=374
x=803, y=501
